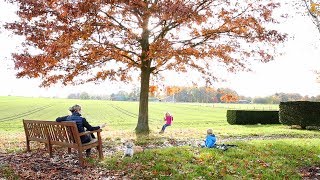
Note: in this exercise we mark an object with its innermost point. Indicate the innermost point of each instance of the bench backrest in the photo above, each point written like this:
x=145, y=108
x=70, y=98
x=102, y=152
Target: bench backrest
x=58, y=133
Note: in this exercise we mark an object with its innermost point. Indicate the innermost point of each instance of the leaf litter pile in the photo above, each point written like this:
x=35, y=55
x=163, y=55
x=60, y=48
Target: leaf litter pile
x=38, y=165
x=312, y=172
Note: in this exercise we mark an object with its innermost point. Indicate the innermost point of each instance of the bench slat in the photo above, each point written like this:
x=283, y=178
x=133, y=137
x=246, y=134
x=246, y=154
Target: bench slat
x=36, y=130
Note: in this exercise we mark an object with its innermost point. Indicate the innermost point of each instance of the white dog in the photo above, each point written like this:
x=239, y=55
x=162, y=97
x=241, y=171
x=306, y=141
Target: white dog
x=130, y=149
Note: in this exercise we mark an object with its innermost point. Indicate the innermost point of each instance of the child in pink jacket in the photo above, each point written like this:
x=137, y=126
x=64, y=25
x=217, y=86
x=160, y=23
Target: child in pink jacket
x=168, y=118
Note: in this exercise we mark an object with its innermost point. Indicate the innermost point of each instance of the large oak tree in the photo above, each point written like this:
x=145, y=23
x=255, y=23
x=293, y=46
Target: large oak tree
x=78, y=41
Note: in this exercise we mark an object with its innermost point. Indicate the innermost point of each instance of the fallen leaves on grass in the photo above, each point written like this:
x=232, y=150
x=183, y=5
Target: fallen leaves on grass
x=312, y=172
x=38, y=165
x=263, y=164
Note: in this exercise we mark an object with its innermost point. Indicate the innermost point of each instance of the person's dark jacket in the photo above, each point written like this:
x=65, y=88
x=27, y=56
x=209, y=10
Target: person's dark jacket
x=81, y=122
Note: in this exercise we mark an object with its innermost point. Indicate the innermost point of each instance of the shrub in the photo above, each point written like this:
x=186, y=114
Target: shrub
x=303, y=113
x=252, y=117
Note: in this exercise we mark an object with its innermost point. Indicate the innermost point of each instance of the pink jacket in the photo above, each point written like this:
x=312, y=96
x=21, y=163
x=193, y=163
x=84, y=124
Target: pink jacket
x=168, y=119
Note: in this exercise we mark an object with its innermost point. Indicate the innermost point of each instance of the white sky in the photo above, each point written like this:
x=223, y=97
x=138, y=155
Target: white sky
x=293, y=72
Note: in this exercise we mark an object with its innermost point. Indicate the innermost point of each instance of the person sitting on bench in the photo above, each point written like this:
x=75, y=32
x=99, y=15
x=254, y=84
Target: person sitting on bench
x=82, y=123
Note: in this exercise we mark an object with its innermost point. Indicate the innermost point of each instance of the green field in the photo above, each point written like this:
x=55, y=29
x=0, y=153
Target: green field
x=189, y=119
x=264, y=151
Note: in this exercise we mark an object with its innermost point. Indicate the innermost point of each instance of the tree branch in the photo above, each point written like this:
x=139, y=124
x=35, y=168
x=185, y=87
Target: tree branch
x=314, y=17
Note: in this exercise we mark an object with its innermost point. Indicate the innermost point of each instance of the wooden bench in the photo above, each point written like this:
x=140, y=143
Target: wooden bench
x=63, y=134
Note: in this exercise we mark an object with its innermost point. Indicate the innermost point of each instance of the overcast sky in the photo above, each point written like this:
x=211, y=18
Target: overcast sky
x=292, y=72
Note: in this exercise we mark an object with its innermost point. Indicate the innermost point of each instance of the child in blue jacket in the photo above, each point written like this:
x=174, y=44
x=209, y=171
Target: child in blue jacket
x=211, y=139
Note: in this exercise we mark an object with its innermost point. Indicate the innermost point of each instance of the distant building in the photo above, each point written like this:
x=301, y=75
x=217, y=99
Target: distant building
x=167, y=99
x=244, y=101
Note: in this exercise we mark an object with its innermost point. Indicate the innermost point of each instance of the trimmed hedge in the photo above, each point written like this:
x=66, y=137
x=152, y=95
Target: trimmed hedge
x=303, y=113
x=243, y=117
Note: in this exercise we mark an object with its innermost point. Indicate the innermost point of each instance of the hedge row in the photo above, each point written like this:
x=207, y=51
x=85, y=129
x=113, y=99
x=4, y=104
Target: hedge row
x=242, y=117
x=303, y=113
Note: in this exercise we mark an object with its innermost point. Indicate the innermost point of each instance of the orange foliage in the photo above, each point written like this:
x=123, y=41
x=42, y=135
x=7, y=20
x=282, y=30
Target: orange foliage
x=153, y=90
x=84, y=38
x=172, y=90
x=229, y=98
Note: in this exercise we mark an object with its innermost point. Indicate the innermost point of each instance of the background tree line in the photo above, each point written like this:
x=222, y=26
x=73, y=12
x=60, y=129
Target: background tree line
x=197, y=94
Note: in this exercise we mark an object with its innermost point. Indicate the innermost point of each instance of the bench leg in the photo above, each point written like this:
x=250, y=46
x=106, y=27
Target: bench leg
x=69, y=150
x=99, y=148
x=28, y=145
x=50, y=149
x=80, y=158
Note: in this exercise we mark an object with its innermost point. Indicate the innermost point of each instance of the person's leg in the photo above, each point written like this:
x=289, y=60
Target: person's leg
x=163, y=128
x=86, y=139
x=92, y=136
x=88, y=152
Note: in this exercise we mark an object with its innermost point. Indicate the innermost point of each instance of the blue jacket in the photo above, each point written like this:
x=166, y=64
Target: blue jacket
x=81, y=124
x=210, y=140
x=78, y=119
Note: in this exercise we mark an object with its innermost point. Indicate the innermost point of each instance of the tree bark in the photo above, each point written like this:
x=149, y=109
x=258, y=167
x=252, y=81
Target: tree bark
x=143, y=125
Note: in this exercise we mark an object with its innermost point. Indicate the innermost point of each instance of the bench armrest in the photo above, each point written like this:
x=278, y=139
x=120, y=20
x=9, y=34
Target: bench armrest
x=90, y=132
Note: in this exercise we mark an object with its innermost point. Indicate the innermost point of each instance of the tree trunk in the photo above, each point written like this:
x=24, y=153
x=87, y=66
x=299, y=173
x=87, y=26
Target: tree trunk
x=143, y=124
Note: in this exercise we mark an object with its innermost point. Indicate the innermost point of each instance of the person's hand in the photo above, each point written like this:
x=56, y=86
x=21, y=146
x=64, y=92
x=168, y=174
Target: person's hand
x=103, y=125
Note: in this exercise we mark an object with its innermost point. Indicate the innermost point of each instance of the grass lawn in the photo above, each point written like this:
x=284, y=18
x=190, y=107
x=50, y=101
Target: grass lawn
x=256, y=159
x=263, y=152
